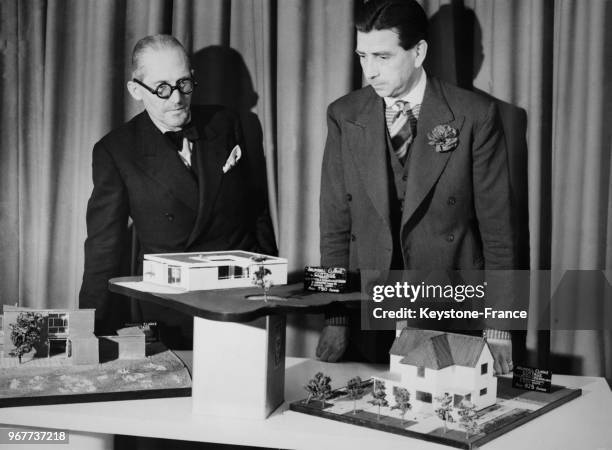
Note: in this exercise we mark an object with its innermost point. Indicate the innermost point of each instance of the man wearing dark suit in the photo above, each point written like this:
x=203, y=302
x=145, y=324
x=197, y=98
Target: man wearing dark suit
x=181, y=173
x=414, y=173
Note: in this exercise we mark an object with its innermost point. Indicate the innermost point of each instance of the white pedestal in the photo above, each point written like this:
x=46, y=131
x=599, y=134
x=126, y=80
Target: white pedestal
x=238, y=368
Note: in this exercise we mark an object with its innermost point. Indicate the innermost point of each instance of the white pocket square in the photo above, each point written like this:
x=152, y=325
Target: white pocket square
x=233, y=159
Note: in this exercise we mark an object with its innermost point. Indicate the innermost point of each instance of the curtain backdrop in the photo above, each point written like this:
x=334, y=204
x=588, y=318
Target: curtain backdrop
x=279, y=63
x=582, y=184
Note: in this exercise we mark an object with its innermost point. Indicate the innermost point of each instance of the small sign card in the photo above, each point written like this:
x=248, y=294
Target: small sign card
x=325, y=279
x=531, y=379
x=150, y=330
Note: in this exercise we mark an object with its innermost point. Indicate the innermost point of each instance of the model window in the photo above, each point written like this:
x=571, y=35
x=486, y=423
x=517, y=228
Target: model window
x=423, y=396
x=421, y=371
x=174, y=275
x=223, y=272
x=483, y=391
x=228, y=272
x=484, y=368
x=57, y=323
x=457, y=399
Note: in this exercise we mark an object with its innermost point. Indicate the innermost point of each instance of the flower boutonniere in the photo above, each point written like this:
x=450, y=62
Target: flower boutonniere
x=443, y=138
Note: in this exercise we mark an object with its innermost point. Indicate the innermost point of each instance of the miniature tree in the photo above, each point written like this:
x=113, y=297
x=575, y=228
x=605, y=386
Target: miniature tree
x=444, y=409
x=467, y=418
x=379, y=394
x=355, y=391
x=262, y=278
x=319, y=388
x=25, y=333
x=402, y=401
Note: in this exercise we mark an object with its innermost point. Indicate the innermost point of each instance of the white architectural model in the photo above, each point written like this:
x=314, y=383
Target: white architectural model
x=211, y=270
x=71, y=330
x=431, y=363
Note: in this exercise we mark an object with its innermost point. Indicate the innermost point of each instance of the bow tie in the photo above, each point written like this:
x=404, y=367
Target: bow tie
x=176, y=137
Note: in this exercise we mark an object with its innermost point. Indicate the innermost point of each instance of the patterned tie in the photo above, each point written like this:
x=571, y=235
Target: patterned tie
x=401, y=123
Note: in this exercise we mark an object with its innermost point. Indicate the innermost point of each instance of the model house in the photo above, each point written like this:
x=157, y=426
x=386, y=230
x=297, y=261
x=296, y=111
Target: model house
x=70, y=332
x=63, y=331
x=211, y=270
x=130, y=343
x=432, y=363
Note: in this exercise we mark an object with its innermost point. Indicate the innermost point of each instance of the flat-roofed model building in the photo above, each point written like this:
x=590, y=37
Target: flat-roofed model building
x=212, y=270
x=69, y=329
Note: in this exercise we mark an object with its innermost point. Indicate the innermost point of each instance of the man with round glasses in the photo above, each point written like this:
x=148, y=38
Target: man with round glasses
x=165, y=90
x=180, y=172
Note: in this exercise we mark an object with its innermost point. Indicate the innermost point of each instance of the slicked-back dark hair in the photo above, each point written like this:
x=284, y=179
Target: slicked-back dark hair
x=407, y=17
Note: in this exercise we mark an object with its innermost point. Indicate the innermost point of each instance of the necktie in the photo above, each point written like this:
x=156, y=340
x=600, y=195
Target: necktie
x=176, y=137
x=401, y=123
x=190, y=133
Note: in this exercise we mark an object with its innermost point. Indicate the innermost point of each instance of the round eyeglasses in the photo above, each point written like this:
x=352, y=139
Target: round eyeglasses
x=165, y=90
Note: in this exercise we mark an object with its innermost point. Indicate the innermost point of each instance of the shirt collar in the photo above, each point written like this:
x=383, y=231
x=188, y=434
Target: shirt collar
x=416, y=94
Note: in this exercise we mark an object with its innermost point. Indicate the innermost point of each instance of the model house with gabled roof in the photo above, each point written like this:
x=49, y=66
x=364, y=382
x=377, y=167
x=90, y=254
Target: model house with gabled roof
x=432, y=363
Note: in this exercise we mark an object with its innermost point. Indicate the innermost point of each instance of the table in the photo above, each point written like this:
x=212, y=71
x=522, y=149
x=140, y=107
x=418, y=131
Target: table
x=234, y=307
x=583, y=423
x=233, y=334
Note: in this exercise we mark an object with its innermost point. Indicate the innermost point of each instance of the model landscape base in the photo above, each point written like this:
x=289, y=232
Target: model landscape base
x=513, y=408
x=43, y=381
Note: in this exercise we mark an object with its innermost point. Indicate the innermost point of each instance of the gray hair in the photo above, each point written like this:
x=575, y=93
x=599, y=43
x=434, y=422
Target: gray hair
x=154, y=43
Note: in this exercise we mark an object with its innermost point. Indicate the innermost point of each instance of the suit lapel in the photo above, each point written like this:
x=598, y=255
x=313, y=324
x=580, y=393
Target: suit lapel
x=425, y=165
x=210, y=154
x=369, y=151
x=161, y=163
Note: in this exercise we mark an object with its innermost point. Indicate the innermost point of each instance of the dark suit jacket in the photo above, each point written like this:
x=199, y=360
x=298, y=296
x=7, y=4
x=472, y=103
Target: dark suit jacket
x=138, y=175
x=456, y=210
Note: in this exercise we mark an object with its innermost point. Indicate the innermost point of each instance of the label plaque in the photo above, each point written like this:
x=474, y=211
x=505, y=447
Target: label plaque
x=325, y=279
x=150, y=330
x=531, y=379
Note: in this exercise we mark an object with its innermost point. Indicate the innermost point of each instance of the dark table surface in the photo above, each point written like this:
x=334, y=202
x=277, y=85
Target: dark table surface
x=232, y=305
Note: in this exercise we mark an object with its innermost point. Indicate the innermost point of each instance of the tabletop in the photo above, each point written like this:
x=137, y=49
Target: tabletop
x=583, y=423
x=233, y=305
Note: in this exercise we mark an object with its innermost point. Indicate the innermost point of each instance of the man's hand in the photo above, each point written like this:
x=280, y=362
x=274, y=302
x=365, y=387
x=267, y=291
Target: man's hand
x=332, y=342
x=502, y=355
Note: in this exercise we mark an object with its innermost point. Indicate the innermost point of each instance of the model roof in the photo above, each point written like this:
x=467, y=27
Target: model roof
x=13, y=308
x=437, y=349
x=215, y=259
